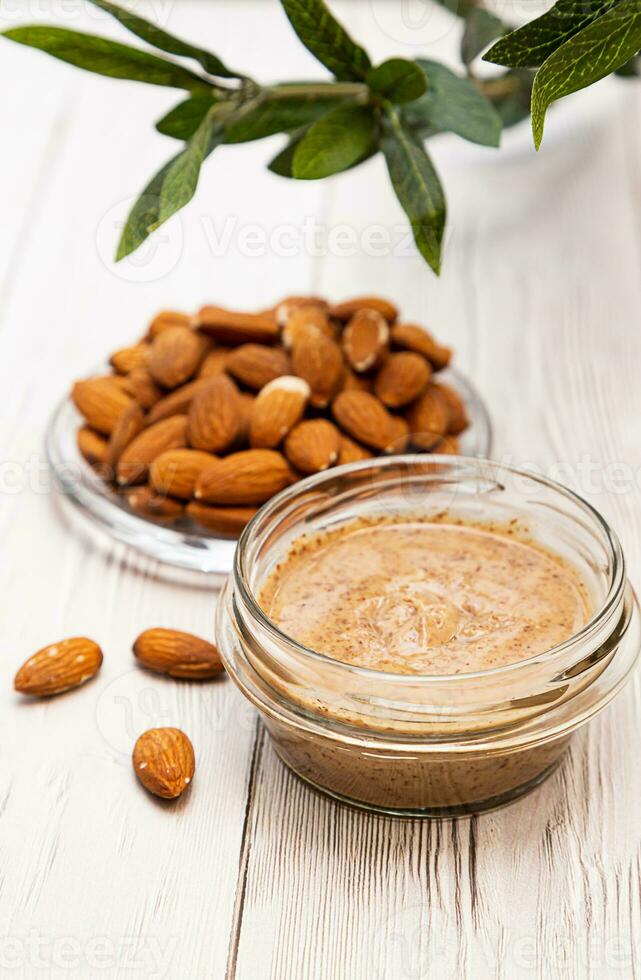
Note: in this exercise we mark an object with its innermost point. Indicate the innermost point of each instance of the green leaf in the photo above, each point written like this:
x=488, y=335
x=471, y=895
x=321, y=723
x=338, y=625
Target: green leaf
x=283, y=162
x=269, y=116
x=338, y=140
x=105, y=57
x=158, y=38
x=481, y=28
x=587, y=57
x=417, y=186
x=398, y=80
x=327, y=40
x=453, y=104
x=143, y=217
x=530, y=45
x=185, y=118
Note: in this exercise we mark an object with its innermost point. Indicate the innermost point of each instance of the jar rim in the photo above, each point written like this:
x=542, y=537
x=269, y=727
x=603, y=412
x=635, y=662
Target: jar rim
x=261, y=519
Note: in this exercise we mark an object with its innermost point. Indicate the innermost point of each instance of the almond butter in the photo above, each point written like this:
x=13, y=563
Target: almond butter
x=59, y=667
x=363, y=417
x=101, y=401
x=163, y=760
x=154, y=506
x=142, y=388
x=276, y=409
x=365, y=340
x=165, y=320
x=93, y=447
x=175, y=472
x=177, y=402
x=428, y=418
x=128, y=359
x=177, y=654
x=313, y=445
x=255, y=365
x=214, y=362
x=128, y=426
x=175, y=355
x=319, y=361
x=227, y=522
x=458, y=419
x=415, y=338
x=214, y=419
x=248, y=477
x=351, y=451
x=346, y=310
x=231, y=327
x=136, y=458
x=402, y=378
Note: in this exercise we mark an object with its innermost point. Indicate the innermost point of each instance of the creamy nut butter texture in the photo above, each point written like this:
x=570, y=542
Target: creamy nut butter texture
x=425, y=598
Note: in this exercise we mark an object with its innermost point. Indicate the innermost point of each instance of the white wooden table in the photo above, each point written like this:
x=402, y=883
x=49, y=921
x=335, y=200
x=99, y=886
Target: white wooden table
x=250, y=875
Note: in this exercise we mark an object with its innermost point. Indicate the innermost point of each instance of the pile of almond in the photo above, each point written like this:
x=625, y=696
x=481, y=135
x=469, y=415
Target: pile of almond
x=208, y=416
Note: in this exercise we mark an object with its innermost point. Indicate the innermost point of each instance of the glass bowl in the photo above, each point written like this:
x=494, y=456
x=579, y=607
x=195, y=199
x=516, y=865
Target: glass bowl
x=184, y=544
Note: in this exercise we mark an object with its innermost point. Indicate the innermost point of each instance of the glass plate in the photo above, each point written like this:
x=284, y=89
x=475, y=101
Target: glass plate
x=185, y=545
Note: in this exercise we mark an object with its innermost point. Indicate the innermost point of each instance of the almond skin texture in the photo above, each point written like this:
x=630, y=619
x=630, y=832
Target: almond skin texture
x=313, y=445
x=176, y=403
x=175, y=355
x=355, y=382
x=129, y=358
x=214, y=362
x=364, y=418
x=248, y=477
x=276, y=409
x=128, y=426
x=163, y=760
x=305, y=320
x=154, y=506
x=226, y=522
x=428, y=418
x=214, y=418
x=346, y=310
x=399, y=435
x=59, y=667
x=177, y=654
x=230, y=327
x=135, y=460
x=402, y=379
x=411, y=337
x=175, y=472
x=93, y=447
x=458, y=420
x=143, y=388
x=288, y=306
x=255, y=365
x=166, y=319
x=101, y=401
x=319, y=361
x=351, y=452
x=365, y=340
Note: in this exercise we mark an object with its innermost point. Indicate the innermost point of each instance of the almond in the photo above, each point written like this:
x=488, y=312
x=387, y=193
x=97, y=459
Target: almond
x=402, y=378
x=355, y=382
x=248, y=477
x=93, y=447
x=177, y=654
x=448, y=446
x=154, y=506
x=363, y=417
x=351, y=451
x=165, y=320
x=319, y=361
x=304, y=320
x=313, y=445
x=128, y=359
x=458, y=419
x=163, y=760
x=175, y=472
x=175, y=354
x=135, y=460
x=177, y=402
x=347, y=309
x=237, y=328
x=256, y=365
x=277, y=408
x=226, y=522
x=142, y=387
x=428, y=418
x=399, y=435
x=365, y=340
x=214, y=417
x=130, y=423
x=245, y=409
x=214, y=362
x=59, y=667
x=102, y=401
x=415, y=338
x=288, y=306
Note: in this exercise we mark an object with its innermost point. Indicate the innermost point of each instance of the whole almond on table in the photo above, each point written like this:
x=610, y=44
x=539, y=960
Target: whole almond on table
x=176, y=471
x=248, y=477
x=175, y=355
x=136, y=458
x=428, y=418
x=255, y=365
x=101, y=401
x=402, y=378
x=345, y=310
x=313, y=445
x=364, y=418
x=147, y=502
x=59, y=667
x=319, y=361
x=415, y=338
x=231, y=327
x=178, y=654
x=227, y=522
x=276, y=409
x=128, y=426
x=163, y=760
x=128, y=359
x=214, y=417
x=365, y=340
